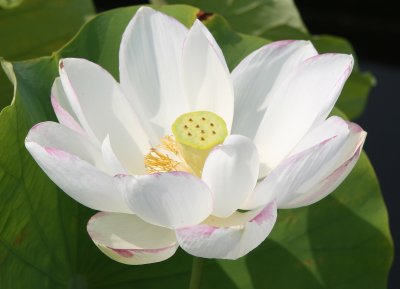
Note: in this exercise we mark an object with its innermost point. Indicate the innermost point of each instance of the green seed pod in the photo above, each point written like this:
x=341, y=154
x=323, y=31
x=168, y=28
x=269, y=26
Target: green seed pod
x=196, y=134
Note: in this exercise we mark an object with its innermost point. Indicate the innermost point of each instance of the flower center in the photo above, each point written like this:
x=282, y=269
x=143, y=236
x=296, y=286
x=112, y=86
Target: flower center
x=195, y=134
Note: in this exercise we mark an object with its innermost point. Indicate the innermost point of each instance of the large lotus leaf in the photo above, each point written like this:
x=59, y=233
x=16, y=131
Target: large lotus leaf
x=341, y=242
x=250, y=16
x=33, y=28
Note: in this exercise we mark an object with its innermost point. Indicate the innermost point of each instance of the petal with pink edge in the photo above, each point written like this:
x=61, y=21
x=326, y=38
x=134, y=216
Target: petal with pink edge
x=102, y=109
x=231, y=172
x=298, y=102
x=172, y=200
x=256, y=75
x=295, y=172
x=228, y=238
x=62, y=109
x=74, y=164
x=347, y=159
x=128, y=239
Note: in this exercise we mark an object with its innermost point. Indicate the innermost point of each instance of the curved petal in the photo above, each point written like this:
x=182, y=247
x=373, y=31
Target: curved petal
x=231, y=172
x=300, y=101
x=64, y=155
x=62, y=109
x=256, y=75
x=325, y=185
x=229, y=238
x=127, y=239
x=54, y=135
x=330, y=128
x=113, y=165
x=206, y=76
x=294, y=172
x=172, y=200
x=150, y=70
x=102, y=110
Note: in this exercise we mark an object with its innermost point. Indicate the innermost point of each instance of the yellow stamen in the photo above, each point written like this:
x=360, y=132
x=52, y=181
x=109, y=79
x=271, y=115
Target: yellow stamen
x=165, y=158
x=157, y=162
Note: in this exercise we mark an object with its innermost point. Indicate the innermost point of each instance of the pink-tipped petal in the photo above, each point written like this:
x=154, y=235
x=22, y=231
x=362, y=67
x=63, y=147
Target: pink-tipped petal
x=62, y=109
x=316, y=167
x=74, y=164
x=229, y=238
x=346, y=160
x=295, y=172
x=102, y=109
x=150, y=70
x=58, y=136
x=257, y=74
x=127, y=239
x=172, y=200
x=206, y=76
x=231, y=172
x=79, y=179
x=298, y=102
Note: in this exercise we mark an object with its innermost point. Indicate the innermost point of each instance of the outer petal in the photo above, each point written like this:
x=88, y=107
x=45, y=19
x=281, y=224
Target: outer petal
x=64, y=155
x=300, y=101
x=330, y=128
x=171, y=200
x=256, y=75
x=150, y=70
x=322, y=187
x=300, y=174
x=294, y=172
x=102, y=110
x=229, y=238
x=206, y=76
x=62, y=109
x=128, y=239
x=231, y=172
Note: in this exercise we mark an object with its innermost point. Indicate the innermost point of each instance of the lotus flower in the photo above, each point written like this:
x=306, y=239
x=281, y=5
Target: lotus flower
x=184, y=153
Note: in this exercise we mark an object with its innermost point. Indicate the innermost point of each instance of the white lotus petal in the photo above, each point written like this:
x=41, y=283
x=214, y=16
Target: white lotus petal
x=231, y=172
x=54, y=135
x=229, y=238
x=256, y=75
x=318, y=189
x=331, y=127
x=295, y=173
x=62, y=109
x=67, y=158
x=127, y=239
x=172, y=200
x=102, y=110
x=113, y=164
x=150, y=70
x=300, y=101
x=206, y=76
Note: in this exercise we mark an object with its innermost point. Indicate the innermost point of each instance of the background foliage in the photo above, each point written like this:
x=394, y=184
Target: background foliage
x=33, y=28
x=342, y=242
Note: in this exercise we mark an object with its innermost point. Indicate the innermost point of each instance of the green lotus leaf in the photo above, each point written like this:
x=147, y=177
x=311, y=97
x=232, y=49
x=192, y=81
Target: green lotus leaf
x=34, y=28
